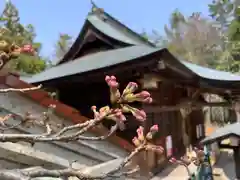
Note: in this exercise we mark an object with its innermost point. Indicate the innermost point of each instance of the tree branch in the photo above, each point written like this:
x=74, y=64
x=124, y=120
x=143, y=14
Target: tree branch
x=48, y=137
x=20, y=90
x=66, y=134
x=34, y=172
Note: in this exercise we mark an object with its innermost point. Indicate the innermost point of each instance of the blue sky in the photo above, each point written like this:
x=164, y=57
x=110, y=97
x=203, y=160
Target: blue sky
x=51, y=17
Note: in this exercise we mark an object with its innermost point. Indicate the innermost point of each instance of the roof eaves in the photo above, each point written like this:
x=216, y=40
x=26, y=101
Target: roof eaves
x=211, y=74
x=210, y=140
x=91, y=62
x=222, y=133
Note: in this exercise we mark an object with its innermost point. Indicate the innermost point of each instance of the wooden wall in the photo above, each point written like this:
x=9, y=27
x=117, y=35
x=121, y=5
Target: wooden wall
x=83, y=96
x=167, y=94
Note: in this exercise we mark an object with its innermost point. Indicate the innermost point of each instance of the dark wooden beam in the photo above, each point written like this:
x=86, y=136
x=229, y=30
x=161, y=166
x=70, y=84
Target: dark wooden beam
x=225, y=146
x=192, y=105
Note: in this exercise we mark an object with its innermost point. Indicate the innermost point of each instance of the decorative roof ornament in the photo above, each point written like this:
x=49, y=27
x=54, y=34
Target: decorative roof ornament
x=95, y=8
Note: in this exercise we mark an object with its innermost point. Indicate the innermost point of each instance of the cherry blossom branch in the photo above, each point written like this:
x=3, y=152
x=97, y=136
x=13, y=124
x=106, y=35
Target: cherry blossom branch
x=48, y=137
x=20, y=89
x=66, y=134
x=34, y=172
x=26, y=174
x=196, y=157
x=128, y=159
x=103, y=113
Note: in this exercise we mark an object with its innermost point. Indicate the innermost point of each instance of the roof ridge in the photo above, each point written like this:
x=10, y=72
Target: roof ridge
x=100, y=11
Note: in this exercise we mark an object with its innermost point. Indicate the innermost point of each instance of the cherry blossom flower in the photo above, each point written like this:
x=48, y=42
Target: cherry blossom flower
x=113, y=85
x=130, y=88
x=140, y=133
x=152, y=132
x=136, y=141
x=154, y=128
x=143, y=96
x=137, y=113
x=117, y=116
x=173, y=160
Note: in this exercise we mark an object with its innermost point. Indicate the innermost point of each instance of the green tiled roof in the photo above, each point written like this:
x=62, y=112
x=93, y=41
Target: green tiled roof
x=113, y=32
x=224, y=132
x=110, y=27
x=211, y=73
x=92, y=62
x=112, y=57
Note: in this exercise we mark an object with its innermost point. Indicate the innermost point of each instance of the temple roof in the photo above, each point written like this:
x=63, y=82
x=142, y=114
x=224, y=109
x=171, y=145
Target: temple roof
x=110, y=27
x=124, y=55
x=211, y=74
x=133, y=47
x=223, y=133
x=92, y=62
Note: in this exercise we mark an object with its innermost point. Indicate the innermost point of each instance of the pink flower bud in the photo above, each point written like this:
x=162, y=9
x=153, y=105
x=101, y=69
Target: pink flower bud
x=111, y=81
x=113, y=84
x=113, y=78
x=114, y=92
x=140, y=133
x=149, y=136
x=93, y=108
x=27, y=48
x=118, y=117
x=144, y=94
x=173, y=160
x=121, y=116
x=130, y=88
x=135, y=141
x=148, y=100
x=107, y=78
x=154, y=128
x=139, y=114
x=104, y=111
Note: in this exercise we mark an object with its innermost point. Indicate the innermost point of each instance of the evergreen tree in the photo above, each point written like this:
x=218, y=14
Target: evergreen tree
x=227, y=15
x=62, y=46
x=16, y=33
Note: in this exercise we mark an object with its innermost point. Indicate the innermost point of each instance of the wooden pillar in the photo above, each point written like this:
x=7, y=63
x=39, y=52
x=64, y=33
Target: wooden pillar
x=236, y=150
x=150, y=83
x=186, y=140
x=236, y=156
x=237, y=110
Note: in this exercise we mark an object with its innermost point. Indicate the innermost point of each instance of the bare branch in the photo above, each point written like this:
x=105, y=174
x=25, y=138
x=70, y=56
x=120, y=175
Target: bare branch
x=75, y=126
x=20, y=90
x=47, y=137
x=34, y=172
x=128, y=159
x=74, y=133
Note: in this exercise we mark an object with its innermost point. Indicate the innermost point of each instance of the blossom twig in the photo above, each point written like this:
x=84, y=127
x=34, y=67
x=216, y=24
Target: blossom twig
x=75, y=132
x=20, y=89
x=34, y=172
